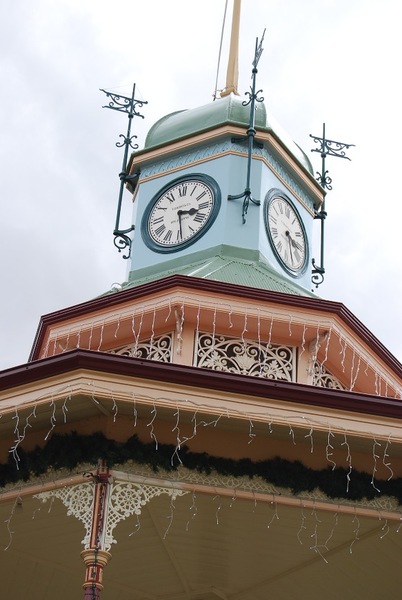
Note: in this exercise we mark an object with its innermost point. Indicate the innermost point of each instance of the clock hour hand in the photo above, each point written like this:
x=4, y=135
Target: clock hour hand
x=191, y=212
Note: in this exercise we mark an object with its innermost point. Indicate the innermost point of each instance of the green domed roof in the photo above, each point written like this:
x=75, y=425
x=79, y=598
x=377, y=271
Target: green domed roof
x=230, y=109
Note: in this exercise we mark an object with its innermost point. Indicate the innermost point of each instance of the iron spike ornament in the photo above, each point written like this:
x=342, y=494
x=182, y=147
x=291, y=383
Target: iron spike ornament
x=326, y=148
x=126, y=105
x=251, y=132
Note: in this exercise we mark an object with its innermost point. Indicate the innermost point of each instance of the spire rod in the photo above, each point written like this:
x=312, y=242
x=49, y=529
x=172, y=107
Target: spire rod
x=232, y=73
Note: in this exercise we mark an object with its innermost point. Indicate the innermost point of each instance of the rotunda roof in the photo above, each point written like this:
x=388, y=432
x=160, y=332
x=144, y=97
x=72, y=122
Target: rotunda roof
x=230, y=109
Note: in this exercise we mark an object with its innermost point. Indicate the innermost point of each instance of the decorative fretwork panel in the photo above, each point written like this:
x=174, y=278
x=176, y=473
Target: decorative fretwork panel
x=155, y=348
x=323, y=378
x=245, y=357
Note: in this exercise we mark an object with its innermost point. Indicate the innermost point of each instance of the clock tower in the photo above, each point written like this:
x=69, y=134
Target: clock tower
x=239, y=426
x=186, y=220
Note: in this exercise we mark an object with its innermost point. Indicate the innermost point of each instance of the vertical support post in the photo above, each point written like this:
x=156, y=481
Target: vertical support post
x=326, y=148
x=96, y=557
x=232, y=74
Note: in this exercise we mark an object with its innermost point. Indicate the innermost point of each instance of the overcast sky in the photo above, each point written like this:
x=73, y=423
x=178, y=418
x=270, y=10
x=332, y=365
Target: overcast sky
x=336, y=61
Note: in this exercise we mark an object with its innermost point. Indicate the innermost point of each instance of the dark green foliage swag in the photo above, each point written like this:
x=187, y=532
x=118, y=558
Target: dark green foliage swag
x=68, y=451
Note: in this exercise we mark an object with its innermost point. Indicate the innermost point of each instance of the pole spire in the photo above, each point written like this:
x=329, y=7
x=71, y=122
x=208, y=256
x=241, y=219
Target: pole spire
x=232, y=73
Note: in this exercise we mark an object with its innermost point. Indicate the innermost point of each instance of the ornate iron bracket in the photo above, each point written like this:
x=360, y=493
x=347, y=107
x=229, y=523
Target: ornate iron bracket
x=326, y=148
x=128, y=106
x=251, y=132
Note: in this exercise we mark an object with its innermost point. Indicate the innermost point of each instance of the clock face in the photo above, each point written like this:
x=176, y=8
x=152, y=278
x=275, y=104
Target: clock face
x=181, y=213
x=286, y=234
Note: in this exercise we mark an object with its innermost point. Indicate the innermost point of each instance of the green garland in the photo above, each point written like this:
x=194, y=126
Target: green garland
x=67, y=451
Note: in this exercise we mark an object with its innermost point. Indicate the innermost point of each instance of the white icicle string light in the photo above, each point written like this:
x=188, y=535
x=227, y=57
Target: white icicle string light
x=233, y=499
x=117, y=326
x=151, y=342
x=316, y=547
x=169, y=311
x=52, y=419
x=137, y=334
x=385, y=456
x=17, y=503
x=270, y=332
x=310, y=435
x=170, y=517
x=90, y=336
x=351, y=371
x=230, y=318
x=251, y=435
x=259, y=344
x=327, y=346
x=137, y=525
x=178, y=440
x=342, y=352
x=197, y=321
x=219, y=507
x=101, y=337
x=193, y=510
x=302, y=525
x=356, y=531
x=275, y=515
x=54, y=345
x=135, y=412
x=336, y=519
x=64, y=408
x=348, y=460
x=356, y=374
x=78, y=338
x=115, y=409
x=375, y=458
x=14, y=449
x=292, y=434
x=151, y=425
x=385, y=528
x=254, y=502
x=213, y=333
x=329, y=448
x=303, y=346
x=244, y=330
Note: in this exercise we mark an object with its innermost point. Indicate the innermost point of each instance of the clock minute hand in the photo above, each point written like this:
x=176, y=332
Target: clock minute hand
x=291, y=243
x=179, y=214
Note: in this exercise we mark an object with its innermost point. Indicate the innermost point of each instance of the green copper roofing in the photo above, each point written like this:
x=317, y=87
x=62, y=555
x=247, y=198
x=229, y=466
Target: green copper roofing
x=185, y=123
x=223, y=263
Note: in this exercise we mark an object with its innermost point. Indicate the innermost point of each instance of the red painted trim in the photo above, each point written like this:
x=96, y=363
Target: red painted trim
x=200, y=378
x=217, y=287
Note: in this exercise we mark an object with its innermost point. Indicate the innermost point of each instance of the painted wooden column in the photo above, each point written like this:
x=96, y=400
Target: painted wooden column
x=96, y=556
x=100, y=504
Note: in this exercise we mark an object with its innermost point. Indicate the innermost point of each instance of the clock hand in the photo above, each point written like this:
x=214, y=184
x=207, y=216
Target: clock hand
x=287, y=233
x=296, y=244
x=179, y=214
x=191, y=212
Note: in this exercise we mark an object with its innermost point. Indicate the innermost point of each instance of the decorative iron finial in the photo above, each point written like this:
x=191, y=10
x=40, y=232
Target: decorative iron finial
x=253, y=98
x=128, y=106
x=326, y=148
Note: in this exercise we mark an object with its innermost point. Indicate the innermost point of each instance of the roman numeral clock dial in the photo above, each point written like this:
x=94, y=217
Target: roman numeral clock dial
x=181, y=213
x=286, y=233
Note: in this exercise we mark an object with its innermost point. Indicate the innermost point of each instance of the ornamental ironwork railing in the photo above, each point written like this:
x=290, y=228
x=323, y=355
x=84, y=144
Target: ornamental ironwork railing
x=245, y=357
x=323, y=378
x=155, y=348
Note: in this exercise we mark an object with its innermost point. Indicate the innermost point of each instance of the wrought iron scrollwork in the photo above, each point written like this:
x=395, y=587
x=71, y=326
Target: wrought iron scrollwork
x=326, y=148
x=251, y=132
x=127, y=105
